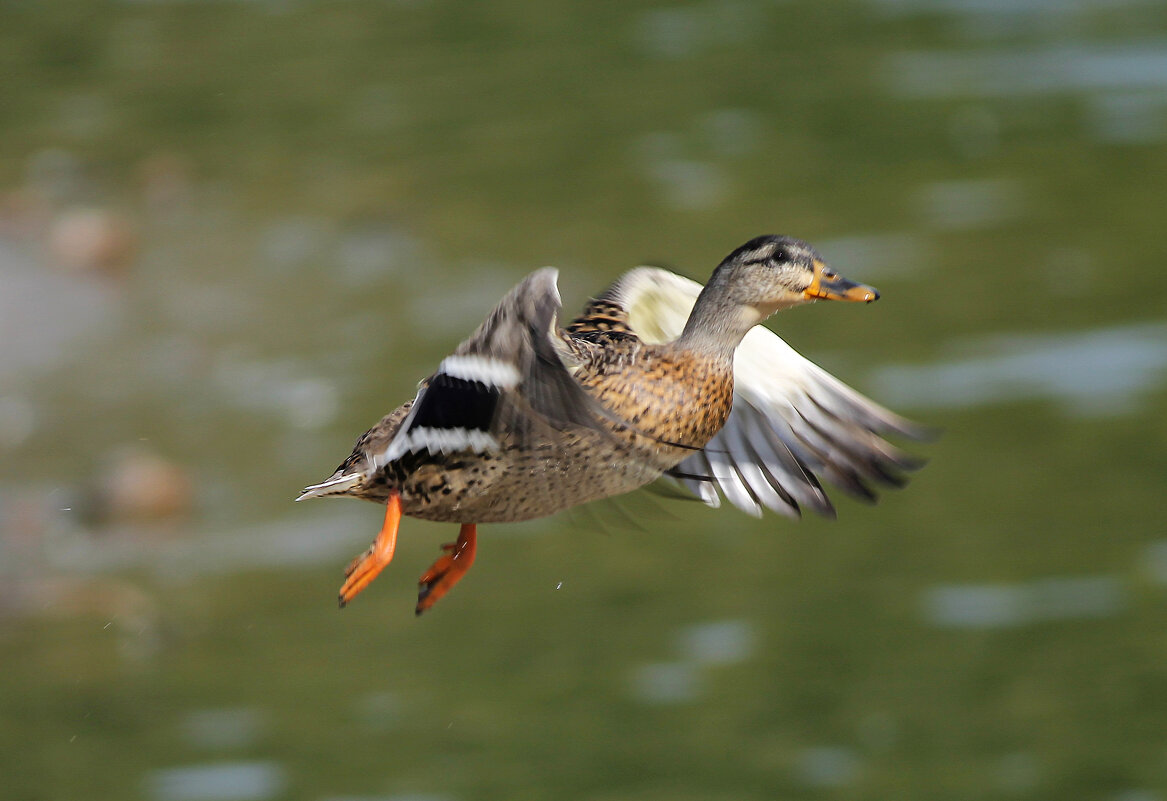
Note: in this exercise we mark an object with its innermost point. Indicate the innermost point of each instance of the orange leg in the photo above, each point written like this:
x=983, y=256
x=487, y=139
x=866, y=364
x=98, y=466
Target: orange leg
x=449, y=569
x=362, y=570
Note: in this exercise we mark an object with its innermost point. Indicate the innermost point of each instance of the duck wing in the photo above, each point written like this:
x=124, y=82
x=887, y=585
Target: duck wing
x=792, y=423
x=512, y=377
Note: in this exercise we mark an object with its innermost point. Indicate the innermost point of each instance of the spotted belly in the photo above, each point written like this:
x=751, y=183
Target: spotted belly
x=516, y=484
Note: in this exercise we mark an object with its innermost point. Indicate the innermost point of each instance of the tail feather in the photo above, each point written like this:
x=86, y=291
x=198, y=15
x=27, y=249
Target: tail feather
x=337, y=485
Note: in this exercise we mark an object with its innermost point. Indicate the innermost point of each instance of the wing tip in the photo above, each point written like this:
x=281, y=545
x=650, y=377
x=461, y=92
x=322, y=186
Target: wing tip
x=917, y=432
x=546, y=279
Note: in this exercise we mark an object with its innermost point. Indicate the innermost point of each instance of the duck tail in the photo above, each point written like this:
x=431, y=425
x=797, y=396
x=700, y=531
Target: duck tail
x=337, y=485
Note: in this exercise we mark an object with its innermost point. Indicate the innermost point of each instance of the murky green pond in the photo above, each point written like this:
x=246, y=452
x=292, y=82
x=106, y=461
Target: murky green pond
x=233, y=234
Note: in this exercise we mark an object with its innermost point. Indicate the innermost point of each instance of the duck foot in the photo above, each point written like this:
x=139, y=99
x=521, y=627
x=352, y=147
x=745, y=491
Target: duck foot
x=362, y=570
x=449, y=568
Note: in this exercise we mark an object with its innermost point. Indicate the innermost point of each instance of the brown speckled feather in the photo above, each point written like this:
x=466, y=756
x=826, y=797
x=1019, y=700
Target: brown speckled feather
x=603, y=322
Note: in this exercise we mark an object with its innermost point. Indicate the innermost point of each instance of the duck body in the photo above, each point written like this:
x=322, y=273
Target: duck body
x=655, y=388
x=526, y=419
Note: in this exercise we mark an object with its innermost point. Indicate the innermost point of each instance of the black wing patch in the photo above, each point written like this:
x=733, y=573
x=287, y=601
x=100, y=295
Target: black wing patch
x=507, y=382
x=450, y=402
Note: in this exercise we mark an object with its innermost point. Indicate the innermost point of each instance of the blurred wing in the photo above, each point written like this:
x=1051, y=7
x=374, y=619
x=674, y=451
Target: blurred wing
x=792, y=422
x=511, y=376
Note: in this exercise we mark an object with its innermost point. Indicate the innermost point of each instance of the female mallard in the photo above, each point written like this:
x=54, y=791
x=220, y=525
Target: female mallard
x=526, y=419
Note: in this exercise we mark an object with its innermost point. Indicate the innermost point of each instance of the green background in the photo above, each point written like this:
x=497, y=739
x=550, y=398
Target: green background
x=325, y=197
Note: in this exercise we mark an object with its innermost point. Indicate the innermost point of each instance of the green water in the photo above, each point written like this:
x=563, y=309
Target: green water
x=327, y=197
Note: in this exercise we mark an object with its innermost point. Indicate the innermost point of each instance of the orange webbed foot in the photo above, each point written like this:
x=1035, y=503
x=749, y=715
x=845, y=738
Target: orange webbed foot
x=449, y=568
x=362, y=570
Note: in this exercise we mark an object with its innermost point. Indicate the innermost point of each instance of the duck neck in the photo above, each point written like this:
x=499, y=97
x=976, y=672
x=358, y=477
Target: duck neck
x=717, y=324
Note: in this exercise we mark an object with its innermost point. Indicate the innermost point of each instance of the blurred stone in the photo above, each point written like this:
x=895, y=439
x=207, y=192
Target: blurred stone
x=137, y=485
x=94, y=240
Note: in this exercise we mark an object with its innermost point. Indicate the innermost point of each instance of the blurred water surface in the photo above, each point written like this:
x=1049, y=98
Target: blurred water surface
x=232, y=235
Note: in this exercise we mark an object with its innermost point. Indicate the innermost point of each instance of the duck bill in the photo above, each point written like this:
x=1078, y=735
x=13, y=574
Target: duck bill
x=828, y=285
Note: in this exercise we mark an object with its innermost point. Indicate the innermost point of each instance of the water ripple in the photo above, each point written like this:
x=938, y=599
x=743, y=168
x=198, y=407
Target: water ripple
x=1029, y=71
x=987, y=606
x=1102, y=372
x=221, y=781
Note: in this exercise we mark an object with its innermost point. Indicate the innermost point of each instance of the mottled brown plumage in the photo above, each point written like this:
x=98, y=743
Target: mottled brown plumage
x=526, y=419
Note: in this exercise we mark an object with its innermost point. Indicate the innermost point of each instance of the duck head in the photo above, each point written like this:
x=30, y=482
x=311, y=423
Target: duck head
x=777, y=272
x=765, y=275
